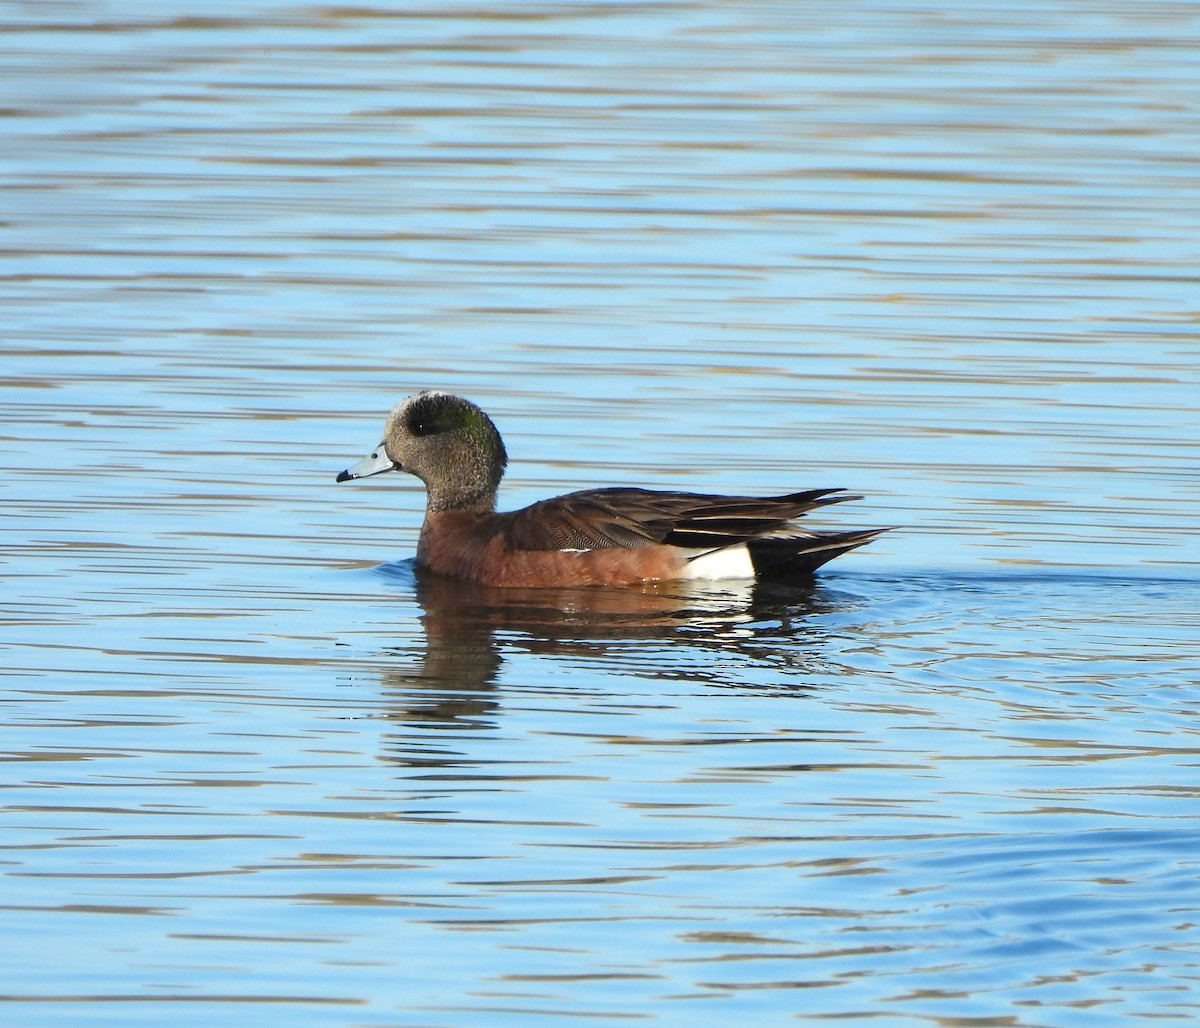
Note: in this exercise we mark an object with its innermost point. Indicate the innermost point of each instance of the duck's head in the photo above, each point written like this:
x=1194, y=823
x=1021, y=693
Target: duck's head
x=448, y=443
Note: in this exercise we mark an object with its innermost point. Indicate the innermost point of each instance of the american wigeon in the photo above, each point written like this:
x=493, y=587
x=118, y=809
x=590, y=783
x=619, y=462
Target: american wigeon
x=594, y=537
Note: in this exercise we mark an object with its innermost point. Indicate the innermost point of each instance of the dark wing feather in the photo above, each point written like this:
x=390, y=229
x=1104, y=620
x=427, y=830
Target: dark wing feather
x=632, y=518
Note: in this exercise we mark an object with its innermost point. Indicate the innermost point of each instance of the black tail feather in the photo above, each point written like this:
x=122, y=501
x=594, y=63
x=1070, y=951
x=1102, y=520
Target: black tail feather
x=793, y=558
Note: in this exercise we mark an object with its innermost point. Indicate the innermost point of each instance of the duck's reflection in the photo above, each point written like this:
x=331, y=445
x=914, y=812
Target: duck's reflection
x=729, y=635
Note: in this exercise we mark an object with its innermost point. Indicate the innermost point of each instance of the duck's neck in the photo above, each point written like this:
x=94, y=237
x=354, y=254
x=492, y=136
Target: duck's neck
x=464, y=475
x=443, y=501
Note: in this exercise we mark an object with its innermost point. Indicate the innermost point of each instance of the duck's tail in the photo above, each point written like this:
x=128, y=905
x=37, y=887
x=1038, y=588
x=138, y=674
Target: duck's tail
x=793, y=557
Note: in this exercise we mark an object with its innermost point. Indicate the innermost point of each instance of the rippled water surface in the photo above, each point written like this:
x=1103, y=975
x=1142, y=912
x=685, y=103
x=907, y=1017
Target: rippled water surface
x=259, y=769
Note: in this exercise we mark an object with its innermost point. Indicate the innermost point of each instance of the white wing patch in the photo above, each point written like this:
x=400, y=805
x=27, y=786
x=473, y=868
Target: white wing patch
x=727, y=562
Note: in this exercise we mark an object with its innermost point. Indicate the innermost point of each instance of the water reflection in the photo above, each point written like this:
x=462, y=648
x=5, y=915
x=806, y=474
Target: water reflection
x=667, y=631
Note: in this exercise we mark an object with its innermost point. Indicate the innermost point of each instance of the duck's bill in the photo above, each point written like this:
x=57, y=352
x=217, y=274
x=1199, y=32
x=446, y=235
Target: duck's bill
x=375, y=463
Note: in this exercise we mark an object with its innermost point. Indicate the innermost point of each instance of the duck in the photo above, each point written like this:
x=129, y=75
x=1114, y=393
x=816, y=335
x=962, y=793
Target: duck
x=617, y=536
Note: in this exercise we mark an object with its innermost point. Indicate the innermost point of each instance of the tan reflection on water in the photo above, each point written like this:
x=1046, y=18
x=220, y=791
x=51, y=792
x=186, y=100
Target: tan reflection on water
x=466, y=626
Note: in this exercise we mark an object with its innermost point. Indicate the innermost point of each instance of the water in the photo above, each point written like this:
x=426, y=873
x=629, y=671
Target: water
x=260, y=768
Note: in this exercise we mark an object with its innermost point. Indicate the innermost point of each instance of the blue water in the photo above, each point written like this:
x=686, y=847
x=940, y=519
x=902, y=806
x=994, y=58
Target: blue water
x=260, y=768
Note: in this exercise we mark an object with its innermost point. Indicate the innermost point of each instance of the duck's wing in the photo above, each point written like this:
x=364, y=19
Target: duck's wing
x=633, y=518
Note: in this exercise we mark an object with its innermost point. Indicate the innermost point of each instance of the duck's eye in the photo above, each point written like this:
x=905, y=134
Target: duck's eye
x=431, y=419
